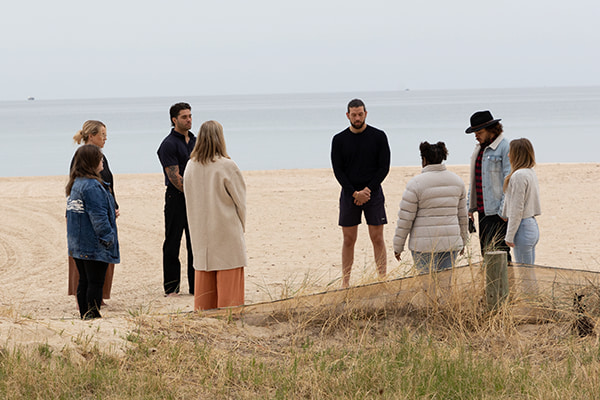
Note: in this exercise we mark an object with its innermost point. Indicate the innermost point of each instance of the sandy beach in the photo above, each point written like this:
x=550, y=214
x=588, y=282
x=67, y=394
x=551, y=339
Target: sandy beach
x=292, y=238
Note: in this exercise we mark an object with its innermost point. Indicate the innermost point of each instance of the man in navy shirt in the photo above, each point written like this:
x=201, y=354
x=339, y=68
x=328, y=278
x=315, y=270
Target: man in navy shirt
x=360, y=156
x=174, y=153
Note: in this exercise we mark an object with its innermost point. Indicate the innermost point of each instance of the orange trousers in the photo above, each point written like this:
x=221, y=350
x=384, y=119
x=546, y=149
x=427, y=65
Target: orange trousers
x=216, y=289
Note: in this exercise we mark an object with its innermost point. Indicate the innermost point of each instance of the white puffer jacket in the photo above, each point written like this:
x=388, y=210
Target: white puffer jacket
x=434, y=211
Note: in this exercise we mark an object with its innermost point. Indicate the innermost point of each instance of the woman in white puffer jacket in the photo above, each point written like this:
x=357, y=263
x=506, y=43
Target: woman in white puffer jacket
x=433, y=211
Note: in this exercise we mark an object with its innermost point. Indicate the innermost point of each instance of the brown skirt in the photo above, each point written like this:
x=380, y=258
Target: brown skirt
x=216, y=289
x=74, y=279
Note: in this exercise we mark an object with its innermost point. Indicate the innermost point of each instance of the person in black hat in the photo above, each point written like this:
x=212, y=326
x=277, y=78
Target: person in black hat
x=489, y=167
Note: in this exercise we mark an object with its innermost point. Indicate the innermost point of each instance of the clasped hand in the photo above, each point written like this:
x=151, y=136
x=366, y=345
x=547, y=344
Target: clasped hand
x=361, y=197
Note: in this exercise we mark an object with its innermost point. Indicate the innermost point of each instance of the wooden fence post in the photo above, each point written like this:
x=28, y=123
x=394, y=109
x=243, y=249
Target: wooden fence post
x=496, y=278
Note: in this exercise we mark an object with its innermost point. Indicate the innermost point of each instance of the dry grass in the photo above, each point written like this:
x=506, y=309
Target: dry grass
x=447, y=346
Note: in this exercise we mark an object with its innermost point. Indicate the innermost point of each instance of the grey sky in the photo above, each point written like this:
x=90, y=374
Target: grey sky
x=82, y=49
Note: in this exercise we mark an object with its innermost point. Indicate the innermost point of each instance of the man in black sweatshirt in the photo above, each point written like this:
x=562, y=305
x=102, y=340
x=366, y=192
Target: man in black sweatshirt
x=360, y=156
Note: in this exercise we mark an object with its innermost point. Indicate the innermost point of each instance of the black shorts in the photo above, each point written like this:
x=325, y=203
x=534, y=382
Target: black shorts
x=374, y=209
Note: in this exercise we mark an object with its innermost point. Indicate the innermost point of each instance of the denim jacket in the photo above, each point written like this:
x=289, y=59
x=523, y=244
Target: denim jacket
x=495, y=166
x=91, y=222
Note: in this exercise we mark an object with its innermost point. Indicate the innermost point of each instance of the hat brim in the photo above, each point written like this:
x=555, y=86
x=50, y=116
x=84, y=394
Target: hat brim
x=472, y=129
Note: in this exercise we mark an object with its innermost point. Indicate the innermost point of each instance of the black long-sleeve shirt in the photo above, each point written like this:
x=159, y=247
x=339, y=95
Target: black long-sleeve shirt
x=360, y=159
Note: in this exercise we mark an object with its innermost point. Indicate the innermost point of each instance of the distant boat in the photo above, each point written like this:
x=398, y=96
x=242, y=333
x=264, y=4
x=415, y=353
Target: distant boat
x=31, y=98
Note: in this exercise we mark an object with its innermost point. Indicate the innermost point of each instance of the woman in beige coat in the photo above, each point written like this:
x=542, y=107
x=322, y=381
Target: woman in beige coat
x=433, y=211
x=215, y=195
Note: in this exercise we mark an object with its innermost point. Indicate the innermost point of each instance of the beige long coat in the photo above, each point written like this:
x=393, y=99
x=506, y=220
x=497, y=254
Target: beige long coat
x=215, y=197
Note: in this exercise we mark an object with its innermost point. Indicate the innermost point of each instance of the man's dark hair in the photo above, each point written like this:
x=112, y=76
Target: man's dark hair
x=433, y=153
x=354, y=103
x=495, y=129
x=176, y=108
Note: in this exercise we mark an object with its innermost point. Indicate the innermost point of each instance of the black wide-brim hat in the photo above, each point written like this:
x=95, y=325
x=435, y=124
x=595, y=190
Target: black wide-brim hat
x=480, y=120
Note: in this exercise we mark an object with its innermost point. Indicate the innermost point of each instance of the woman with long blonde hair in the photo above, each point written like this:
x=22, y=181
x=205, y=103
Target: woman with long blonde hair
x=215, y=195
x=522, y=202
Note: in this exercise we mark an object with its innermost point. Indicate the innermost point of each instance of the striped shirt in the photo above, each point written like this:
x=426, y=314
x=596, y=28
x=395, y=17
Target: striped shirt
x=478, y=185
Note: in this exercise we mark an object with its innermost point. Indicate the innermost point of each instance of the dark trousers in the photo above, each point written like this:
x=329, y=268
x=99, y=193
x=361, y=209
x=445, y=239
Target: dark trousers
x=175, y=225
x=89, y=289
x=492, y=231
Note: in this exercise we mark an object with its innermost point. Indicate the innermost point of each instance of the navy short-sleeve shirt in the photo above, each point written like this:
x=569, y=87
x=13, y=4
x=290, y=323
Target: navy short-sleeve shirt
x=175, y=151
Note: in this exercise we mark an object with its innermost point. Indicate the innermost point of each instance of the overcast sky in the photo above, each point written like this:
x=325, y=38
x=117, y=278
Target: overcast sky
x=84, y=49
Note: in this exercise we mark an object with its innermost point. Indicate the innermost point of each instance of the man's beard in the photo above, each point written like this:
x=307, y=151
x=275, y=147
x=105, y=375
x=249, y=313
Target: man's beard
x=356, y=126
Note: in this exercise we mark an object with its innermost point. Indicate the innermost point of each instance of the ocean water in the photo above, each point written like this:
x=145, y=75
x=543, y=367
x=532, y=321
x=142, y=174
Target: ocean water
x=289, y=131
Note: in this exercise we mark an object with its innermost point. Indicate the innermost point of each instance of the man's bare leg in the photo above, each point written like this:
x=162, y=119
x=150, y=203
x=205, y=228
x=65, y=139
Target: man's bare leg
x=350, y=233
x=376, y=235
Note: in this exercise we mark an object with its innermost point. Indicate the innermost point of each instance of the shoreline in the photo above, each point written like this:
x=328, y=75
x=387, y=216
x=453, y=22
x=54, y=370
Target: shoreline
x=450, y=166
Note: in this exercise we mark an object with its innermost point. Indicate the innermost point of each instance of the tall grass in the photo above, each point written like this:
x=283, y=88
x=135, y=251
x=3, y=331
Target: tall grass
x=448, y=348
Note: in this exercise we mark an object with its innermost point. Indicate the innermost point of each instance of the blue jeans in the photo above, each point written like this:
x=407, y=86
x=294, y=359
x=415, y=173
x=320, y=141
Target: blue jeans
x=426, y=262
x=526, y=238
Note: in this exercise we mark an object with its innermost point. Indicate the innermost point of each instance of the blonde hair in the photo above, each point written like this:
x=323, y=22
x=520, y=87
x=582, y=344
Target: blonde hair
x=210, y=143
x=521, y=155
x=89, y=128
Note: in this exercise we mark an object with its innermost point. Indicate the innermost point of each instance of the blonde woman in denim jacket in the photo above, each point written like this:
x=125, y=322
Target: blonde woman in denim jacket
x=91, y=228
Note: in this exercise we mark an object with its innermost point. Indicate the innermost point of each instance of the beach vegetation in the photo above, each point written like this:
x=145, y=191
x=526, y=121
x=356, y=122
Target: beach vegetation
x=448, y=347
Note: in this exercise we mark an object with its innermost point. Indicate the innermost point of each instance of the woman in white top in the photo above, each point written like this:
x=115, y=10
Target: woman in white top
x=522, y=202
x=433, y=211
x=215, y=199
